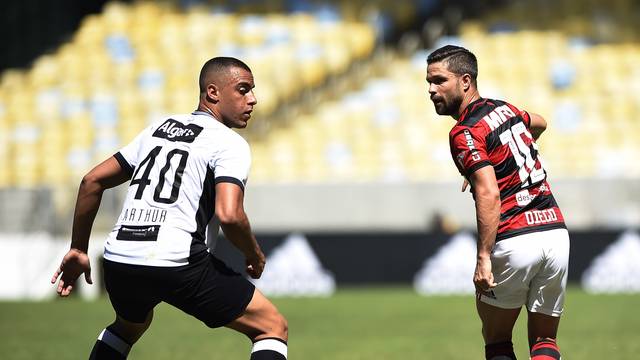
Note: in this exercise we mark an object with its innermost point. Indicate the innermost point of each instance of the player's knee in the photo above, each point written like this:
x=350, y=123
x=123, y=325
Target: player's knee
x=271, y=325
x=277, y=326
x=262, y=320
x=283, y=326
x=130, y=331
x=496, y=335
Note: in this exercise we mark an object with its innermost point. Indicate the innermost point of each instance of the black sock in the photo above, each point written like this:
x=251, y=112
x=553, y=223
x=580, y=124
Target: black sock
x=500, y=351
x=269, y=349
x=109, y=346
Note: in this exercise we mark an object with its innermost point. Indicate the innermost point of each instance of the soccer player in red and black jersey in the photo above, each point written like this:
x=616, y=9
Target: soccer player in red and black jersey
x=523, y=244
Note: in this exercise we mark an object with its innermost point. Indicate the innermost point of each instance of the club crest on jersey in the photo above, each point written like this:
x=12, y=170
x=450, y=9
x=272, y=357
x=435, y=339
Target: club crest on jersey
x=460, y=158
x=173, y=130
x=471, y=145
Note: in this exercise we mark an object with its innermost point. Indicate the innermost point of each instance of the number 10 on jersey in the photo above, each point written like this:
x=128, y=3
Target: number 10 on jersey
x=522, y=154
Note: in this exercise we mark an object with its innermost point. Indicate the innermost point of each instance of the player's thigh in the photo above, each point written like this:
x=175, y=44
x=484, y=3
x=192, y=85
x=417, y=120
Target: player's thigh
x=513, y=261
x=548, y=286
x=497, y=323
x=132, y=290
x=261, y=319
x=211, y=292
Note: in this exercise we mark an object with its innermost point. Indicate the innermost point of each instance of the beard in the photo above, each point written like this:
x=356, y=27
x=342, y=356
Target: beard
x=450, y=107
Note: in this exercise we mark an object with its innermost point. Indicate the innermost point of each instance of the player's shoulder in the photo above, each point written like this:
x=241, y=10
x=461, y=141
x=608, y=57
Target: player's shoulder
x=471, y=119
x=236, y=141
x=166, y=120
x=477, y=110
x=223, y=138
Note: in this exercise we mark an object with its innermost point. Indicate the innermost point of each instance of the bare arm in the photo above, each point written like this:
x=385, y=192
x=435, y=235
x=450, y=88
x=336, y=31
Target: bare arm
x=487, y=198
x=235, y=225
x=104, y=176
x=537, y=126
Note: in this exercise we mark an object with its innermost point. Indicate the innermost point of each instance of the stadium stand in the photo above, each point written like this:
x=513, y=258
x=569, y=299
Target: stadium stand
x=131, y=64
x=335, y=104
x=386, y=129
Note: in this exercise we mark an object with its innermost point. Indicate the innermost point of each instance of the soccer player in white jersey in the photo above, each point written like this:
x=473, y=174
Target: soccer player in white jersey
x=183, y=171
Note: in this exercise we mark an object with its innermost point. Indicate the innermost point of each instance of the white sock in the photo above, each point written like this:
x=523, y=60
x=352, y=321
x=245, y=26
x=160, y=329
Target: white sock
x=276, y=345
x=115, y=342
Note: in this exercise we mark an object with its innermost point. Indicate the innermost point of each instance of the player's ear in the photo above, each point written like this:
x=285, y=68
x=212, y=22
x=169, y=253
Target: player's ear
x=466, y=82
x=213, y=93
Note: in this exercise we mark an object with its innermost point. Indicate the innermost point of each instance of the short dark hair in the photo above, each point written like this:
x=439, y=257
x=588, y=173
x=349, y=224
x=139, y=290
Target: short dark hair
x=459, y=60
x=217, y=65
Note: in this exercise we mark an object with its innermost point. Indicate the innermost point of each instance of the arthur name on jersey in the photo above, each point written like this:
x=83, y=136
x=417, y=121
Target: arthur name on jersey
x=143, y=215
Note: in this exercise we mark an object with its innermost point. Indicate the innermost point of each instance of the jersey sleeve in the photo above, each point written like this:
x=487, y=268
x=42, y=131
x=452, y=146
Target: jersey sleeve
x=469, y=151
x=232, y=163
x=526, y=118
x=128, y=156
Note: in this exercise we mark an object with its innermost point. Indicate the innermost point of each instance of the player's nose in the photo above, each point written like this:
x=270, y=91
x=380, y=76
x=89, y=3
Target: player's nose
x=432, y=89
x=251, y=100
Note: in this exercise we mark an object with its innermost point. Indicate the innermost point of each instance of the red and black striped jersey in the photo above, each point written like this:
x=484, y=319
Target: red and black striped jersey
x=495, y=133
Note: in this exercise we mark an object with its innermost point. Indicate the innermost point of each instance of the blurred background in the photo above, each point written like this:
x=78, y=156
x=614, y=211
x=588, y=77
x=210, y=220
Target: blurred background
x=352, y=181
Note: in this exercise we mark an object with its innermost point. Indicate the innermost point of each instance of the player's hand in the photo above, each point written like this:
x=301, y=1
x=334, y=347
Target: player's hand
x=255, y=265
x=465, y=185
x=74, y=263
x=483, y=277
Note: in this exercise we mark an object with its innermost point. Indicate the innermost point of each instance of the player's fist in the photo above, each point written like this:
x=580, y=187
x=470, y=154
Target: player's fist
x=255, y=264
x=483, y=277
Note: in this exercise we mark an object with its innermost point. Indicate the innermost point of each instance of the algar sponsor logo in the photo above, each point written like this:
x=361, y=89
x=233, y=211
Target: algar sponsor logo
x=176, y=131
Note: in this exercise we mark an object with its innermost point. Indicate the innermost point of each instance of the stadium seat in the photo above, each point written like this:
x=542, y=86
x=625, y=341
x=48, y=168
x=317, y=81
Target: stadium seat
x=136, y=62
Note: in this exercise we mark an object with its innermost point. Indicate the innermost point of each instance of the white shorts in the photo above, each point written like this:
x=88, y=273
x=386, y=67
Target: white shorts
x=531, y=269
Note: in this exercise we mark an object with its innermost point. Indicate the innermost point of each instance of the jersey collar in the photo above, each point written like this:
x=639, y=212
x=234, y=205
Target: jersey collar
x=199, y=112
x=469, y=108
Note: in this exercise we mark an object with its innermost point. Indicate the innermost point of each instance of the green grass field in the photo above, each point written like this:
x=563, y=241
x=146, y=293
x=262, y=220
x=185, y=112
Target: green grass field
x=368, y=323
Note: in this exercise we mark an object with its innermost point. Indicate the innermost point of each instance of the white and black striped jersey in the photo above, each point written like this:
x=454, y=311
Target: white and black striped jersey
x=174, y=165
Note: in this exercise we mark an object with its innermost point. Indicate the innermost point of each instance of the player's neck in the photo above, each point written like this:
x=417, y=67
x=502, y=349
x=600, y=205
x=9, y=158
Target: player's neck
x=469, y=97
x=202, y=106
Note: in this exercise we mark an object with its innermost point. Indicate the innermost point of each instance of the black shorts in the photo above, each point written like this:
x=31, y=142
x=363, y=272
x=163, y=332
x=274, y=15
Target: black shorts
x=206, y=289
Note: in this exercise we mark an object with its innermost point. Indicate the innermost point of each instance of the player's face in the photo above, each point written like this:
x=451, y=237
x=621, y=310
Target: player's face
x=445, y=89
x=237, y=99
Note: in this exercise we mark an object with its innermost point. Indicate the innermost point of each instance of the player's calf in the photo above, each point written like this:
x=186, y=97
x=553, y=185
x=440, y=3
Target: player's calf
x=272, y=343
x=545, y=349
x=265, y=326
x=110, y=346
x=499, y=351
x=115, y=341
